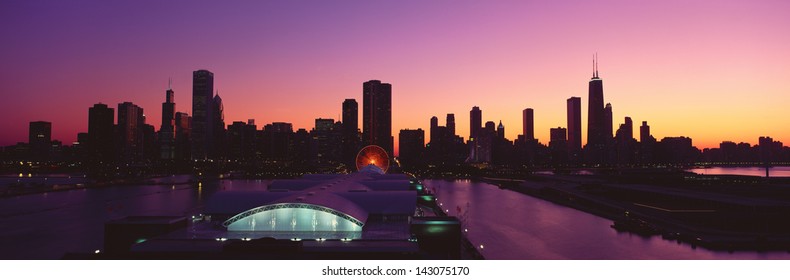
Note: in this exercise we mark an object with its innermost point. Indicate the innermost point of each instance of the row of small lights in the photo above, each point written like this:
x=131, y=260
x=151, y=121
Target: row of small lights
x=466, y=230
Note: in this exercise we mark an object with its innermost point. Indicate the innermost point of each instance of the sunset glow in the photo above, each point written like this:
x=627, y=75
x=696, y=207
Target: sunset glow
x=710, y=72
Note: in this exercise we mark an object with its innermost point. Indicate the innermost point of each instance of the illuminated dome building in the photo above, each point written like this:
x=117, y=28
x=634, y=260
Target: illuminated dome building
x=318, y=206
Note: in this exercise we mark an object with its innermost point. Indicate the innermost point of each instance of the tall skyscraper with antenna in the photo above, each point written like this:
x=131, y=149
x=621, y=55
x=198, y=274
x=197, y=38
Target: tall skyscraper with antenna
x=595, y=150
x=167, y=134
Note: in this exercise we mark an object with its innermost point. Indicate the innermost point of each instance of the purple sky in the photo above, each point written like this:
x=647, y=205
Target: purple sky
x=711, y=72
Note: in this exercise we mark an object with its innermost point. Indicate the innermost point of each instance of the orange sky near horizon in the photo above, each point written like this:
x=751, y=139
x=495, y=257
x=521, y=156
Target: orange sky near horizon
x=710, y=72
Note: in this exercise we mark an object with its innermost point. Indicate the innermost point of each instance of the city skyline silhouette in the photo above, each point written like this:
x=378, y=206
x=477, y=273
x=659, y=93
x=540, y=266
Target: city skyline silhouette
x=682, y=73
x=409, y=130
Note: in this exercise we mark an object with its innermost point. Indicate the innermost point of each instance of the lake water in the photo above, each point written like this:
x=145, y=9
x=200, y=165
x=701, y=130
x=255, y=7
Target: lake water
x=776, y=171
x=512, y=225
x=47, y=225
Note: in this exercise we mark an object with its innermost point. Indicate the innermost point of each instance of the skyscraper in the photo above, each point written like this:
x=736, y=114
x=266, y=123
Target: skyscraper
x=217, y=147
x=40, y=138
x=558, y=145
x=326, y=141
x=241, y=141
x=475, y=122
x=167, y=129
x=644, y=132
x=350, y=131
x=377, y=114
x=500, y=130
x=626, y=129
x=183, y=124
x=625, y=143
x=202, y=117
x=574, y=128
x=101, y=121
x=529, y=124
x=608, y=122
x=434, y=130
x=412, y=143
x=130, y=131
x=350, y=117
x=596, y=120
x=451, y=123
x=647, y=144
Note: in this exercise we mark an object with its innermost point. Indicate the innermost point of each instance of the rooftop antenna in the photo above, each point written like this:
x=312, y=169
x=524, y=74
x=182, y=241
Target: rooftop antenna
x=169, y=83
x=593, y=65
x=596, y=64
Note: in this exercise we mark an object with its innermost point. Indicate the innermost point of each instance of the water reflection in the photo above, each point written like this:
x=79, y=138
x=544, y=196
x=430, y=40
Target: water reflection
x=47, y=225
x=776, y=171
x=511, y=225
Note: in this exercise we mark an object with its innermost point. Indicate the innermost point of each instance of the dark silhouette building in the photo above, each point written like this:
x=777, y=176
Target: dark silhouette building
x=501, y=147
x=574, y=129
x=500, y=130
x=769, y=151
x=644, y=132
x=445, y=147
x=130, y=132
x=183, y=130
x=326, y=141
x=40, y=140
x=451, y=124
x=411, y=147
x=475, y=122
x=595, y=151
x=276, y=141
x=608, y=121
x=625, y=143
x=150, y=146
x=528, y=117
x=729, y=152
x=301, y=148
x=241, y=141
x=676, y=150
x=202, y=114
x=558, y=145
x=434, y=130
x=475, y=143
x=101, y=129
x=526, y=146
x=217, y=148
x=647, y=144
x=350, y=131
x=167, y=131
x=484, y=143
x=377, y=115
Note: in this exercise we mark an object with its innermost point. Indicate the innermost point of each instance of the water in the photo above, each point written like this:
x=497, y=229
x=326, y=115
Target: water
x=48, y=225
x=776, y=171
x=26, y=179
x=512, y=225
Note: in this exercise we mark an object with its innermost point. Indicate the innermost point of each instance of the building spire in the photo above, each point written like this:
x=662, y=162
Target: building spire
x=596, y=64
